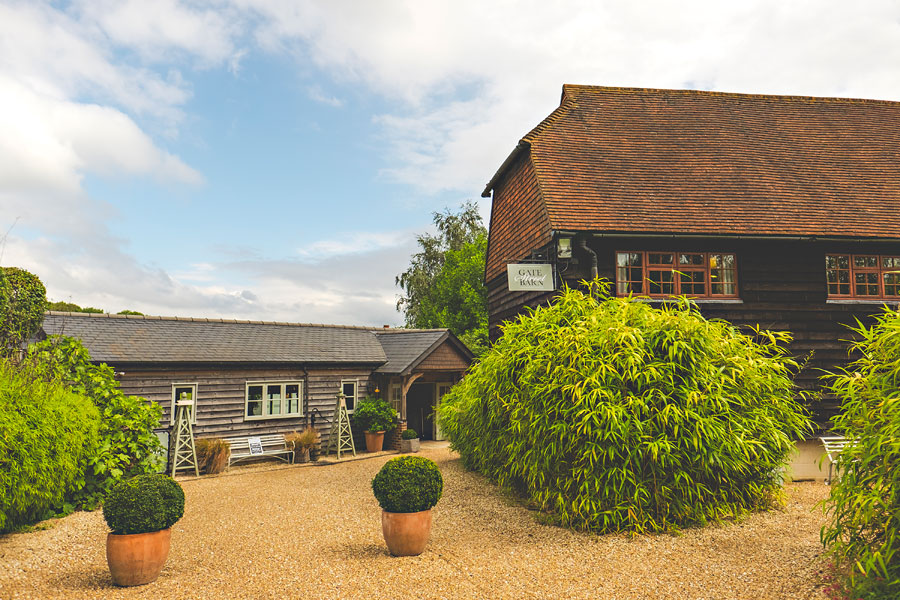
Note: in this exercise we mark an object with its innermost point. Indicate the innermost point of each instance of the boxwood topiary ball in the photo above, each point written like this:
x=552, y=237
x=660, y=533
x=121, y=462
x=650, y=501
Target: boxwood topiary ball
x=409, y=434
x=144, y=503
x=408, y=484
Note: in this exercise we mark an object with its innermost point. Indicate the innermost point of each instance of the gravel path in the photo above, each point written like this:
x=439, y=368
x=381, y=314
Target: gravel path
x=314, y=532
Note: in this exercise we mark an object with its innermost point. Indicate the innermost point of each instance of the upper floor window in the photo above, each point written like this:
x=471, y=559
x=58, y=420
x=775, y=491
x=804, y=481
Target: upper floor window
x=866, y=276
x=662, y=274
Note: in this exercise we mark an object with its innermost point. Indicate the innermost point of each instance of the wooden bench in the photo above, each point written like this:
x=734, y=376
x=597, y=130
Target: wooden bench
x=834, y=445
x=271, y=445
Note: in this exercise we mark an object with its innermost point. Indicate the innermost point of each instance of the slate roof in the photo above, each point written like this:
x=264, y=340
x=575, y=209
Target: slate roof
x=709, y=163
x=121, y=338
x=405, y=350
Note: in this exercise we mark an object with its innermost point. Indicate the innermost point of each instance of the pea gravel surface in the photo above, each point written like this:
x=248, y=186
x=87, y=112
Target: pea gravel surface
x=312, y=531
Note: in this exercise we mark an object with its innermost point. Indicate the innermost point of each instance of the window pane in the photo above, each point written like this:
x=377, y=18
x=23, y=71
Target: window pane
x=184, y=393
x=722, y=274
x=890, y=262
x=690, y=259
x=660, y=282
x=693, y=283
x=892, y=284
x=628, y=259
x=865, y=262
x=866, y=284
x=273, y=400
x=349, y=389
x=254, y=400
x=292, y=398
x=660, y=259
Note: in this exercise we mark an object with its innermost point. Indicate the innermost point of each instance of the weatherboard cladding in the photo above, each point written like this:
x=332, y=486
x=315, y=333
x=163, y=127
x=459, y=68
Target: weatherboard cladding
x=110, y=338
x=706, y=163
x=403, y=350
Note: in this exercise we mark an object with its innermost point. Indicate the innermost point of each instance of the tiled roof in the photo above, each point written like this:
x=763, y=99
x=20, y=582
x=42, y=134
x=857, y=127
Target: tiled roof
x=709, y=163
x=405, y=350
x=115, y=338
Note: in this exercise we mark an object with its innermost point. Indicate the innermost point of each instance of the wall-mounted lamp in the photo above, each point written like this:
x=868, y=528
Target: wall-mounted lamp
x=564, y=248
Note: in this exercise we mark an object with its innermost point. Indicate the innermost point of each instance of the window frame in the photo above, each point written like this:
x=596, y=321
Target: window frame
x=392, y=388
x=283, y=415
x=704, y=268
x=355, y=383
x=880, y=269
x=193, y=387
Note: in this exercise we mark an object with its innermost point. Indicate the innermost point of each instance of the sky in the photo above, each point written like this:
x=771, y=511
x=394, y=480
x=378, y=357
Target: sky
x=275, y=160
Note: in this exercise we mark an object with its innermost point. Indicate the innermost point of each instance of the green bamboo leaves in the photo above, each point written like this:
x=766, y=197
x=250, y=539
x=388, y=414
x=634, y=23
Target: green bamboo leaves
x=864, y=506
x=612, y=415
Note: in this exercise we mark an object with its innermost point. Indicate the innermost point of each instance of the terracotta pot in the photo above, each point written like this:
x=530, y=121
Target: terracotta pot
x=406, y=534
x=137, y=558
x=374, y=440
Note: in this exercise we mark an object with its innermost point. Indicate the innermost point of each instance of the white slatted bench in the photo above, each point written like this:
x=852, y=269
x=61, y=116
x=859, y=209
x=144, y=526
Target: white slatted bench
x=272, y=445
x=833, y=446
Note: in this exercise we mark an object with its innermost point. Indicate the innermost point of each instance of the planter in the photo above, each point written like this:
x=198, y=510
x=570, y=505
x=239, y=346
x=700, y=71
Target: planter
x=406, y=534
x=407, y=446
x=374, y=441
x=301, y=456
x=137, y=558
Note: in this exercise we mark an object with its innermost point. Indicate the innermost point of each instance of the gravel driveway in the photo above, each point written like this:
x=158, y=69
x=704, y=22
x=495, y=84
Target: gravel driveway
x=314, y=532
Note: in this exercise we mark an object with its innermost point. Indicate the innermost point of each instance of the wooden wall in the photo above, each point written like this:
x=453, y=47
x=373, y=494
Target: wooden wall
x=781, y=283
x=221, y=391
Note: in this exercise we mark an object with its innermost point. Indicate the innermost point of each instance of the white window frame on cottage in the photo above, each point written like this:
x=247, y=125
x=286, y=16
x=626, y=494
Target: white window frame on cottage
x=178, y=388
x=354, y=397
x=267, y=409
x=395, y=396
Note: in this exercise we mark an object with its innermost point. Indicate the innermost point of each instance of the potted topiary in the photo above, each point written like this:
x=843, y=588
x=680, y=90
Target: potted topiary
x=140, y=512
x=409, y=441
x=407, y=488
x=303, y=443
x=375, y=416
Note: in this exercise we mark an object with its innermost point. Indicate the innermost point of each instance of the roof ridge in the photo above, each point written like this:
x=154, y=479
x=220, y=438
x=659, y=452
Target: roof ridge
x=571, y=89
x=58, y=313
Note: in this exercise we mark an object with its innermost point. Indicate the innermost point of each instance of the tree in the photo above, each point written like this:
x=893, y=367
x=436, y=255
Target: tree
x=444, y=284
x=71, y=307
x=23, y=300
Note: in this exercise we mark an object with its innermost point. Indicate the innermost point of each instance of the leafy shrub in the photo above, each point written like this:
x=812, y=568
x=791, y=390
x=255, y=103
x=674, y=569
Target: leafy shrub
x=144, y=503
x=864, y=506
x=409, y=434
x=23, y=300
x=408, y=484
x=374, y=414
x=212, y=454
x=47, y=435
x=128, y=445
x=612, y=415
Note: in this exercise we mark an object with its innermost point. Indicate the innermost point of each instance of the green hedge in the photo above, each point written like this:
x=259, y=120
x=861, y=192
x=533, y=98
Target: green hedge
x=612, y=415
x=864, y=506
x=144, y=503
x=47, y=435
x=408, y=484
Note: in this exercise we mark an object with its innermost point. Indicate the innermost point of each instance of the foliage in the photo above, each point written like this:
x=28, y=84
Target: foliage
x=409, y=434
x=47, y=434
x=23, y=299
x=864, y=506
x=212, y=454
x=374, y=414
x=408, y=484
x=143, y=504
x=611, y=415
x=128, y=445
x=444, y=284
x=304, y=440
x=71, y=307
x=130, y=312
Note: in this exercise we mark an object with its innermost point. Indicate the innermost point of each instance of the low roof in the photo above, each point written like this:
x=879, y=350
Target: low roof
x=406, y=349
x=709, y=163
x=148, y=339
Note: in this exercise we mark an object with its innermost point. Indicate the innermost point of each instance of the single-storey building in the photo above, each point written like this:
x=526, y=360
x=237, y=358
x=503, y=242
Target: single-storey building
x=782, y=211
x=253, y=377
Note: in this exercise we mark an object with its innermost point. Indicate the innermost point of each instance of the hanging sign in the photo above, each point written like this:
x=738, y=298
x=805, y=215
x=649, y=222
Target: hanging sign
x=530, y=278
x=255, y=445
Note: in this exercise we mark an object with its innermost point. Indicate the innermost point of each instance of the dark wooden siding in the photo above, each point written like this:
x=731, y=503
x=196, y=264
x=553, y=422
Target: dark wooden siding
x=782, y=287
x=221, y=391
x=444, y=358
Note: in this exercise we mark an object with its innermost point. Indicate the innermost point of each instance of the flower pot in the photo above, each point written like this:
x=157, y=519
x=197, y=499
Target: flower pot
x=137, y=558
x=406, y=534
x=301, y=456
x=374, y=441
x=409, y=445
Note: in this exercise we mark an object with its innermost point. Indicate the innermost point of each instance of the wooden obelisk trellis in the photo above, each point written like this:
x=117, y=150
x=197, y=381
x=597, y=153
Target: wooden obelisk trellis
x=185, y=455
x=341, y=436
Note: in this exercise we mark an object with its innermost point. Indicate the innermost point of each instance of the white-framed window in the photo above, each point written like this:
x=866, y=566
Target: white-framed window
x=350, y=388
x=273, y=400
x=185, y=391
x=395, y=396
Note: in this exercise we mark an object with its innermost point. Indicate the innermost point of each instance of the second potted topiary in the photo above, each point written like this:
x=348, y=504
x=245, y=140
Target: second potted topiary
x=407, y=488
x=375, y=416
x=140, y=512
x=409, y=441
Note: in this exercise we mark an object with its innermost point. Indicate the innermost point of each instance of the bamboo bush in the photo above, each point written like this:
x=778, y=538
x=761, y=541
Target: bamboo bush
x=864, y=506
x=611, y=415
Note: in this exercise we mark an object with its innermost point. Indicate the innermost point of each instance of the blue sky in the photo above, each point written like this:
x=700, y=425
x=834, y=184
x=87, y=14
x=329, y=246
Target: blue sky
x=265, y=159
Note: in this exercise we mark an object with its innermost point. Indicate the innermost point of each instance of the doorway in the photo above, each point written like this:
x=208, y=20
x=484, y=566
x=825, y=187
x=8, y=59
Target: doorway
x=419, y=409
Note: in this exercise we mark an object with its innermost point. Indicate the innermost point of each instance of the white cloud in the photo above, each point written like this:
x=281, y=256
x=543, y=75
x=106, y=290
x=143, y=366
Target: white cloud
x=315, y=92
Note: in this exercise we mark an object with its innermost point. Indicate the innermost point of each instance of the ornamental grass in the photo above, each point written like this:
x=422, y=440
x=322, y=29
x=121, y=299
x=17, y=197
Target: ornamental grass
x=611, y=415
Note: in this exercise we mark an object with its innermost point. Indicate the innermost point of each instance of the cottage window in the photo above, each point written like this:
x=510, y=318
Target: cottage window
x=349, y=387
x=274, y=399
x=865, y=276
x=185, y=391
x=396, y=396
x=663, y=274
